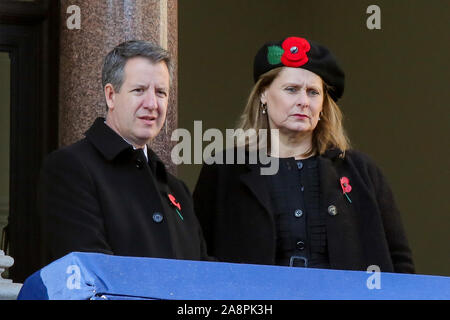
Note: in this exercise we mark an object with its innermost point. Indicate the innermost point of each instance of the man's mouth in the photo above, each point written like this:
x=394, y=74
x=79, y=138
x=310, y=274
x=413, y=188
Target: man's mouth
x=147, y=119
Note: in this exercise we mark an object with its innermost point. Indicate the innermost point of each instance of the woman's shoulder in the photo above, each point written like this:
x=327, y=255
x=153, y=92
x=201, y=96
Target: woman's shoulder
x=359, y=156
x=363, y=162
x=231, y=163
x=232, y=156
x=349, y=155
x=355, y=158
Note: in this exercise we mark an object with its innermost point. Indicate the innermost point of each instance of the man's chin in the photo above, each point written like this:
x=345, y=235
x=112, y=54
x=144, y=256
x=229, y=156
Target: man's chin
x=148, y=136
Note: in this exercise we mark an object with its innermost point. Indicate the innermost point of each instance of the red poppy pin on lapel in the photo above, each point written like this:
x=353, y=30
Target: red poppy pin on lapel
x=175, y=204
x=346, y=187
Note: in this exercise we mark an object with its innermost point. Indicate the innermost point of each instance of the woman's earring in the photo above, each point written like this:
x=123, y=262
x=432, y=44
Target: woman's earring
x=264, y=107
x=320, y=115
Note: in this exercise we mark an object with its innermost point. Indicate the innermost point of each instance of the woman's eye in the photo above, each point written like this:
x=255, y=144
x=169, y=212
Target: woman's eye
x=314, y=92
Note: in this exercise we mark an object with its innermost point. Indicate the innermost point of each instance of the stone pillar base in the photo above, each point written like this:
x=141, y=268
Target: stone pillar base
x=9, y=291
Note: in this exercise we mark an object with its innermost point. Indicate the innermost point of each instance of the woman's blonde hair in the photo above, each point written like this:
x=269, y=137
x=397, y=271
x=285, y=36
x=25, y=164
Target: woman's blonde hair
x=329, y=132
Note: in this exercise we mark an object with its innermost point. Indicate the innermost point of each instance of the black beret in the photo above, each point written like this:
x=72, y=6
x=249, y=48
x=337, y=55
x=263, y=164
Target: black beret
x=298, y=52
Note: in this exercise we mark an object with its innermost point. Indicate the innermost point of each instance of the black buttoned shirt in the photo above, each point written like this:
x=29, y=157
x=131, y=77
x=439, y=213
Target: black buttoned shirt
x=300, y=227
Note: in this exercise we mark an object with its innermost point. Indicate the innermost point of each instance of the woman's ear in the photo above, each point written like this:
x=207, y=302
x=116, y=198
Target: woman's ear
x=262, y=97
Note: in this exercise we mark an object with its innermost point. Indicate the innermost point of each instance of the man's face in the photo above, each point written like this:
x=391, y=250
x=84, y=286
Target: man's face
x=138, y=111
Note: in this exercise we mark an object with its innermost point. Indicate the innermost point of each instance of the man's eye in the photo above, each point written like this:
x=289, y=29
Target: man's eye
x=162, y=93
x=291, y=89
x=138, y=90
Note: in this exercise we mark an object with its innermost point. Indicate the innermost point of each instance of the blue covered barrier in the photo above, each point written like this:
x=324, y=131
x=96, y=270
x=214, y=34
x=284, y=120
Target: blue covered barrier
x=83, y=276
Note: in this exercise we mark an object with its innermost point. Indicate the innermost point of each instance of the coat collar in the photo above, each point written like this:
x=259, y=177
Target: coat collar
x=110, y=144
x=252, y=178
x=333, y=153
x=106, y=140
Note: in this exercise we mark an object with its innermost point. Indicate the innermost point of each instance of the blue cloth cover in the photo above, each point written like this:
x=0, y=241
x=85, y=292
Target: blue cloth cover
x=83, y=276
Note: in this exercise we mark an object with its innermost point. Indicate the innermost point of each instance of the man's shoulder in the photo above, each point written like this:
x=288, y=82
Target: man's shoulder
x=69, y=154
x=177, y=184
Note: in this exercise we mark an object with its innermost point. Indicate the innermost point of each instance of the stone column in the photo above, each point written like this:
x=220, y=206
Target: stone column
x=103, y=25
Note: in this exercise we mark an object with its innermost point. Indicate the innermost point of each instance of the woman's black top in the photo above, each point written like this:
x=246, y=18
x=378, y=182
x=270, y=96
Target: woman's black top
x=300, y=226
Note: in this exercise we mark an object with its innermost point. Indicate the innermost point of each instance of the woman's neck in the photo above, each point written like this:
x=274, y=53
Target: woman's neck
x=290, y=145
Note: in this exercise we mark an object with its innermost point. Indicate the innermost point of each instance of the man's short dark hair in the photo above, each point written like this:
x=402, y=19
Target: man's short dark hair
x=114, y=64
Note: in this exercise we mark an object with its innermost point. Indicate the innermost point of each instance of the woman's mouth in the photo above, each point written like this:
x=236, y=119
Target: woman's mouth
x=300, y=116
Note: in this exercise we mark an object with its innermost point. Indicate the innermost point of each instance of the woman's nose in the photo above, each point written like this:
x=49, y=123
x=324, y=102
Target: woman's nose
x=303, y=99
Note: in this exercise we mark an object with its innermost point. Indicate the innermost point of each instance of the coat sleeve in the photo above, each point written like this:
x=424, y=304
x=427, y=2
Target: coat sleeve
x=205, y=200
x=203, y=247
x=400, y=251
x=71, y=216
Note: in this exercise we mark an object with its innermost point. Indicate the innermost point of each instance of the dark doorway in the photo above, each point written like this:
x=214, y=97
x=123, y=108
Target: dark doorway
x=29, y=34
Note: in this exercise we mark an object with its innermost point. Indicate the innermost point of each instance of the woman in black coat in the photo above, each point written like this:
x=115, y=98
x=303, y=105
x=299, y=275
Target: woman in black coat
x=327, y=206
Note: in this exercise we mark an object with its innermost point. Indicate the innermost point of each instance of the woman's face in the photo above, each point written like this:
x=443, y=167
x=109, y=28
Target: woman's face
x=294, y=101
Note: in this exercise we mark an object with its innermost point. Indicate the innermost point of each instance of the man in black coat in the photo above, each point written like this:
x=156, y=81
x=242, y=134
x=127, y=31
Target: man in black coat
x=109, y=193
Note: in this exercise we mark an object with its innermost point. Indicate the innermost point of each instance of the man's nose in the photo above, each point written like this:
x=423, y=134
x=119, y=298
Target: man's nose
x=150, y=100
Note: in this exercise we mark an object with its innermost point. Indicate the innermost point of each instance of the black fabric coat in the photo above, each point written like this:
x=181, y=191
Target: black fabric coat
x=233, y=205
x=100, y=195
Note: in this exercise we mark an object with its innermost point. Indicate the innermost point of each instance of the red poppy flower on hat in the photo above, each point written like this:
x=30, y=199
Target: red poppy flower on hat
x=295, y=50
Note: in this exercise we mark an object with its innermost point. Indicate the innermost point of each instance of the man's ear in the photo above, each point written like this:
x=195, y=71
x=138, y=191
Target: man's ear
x=110, y=95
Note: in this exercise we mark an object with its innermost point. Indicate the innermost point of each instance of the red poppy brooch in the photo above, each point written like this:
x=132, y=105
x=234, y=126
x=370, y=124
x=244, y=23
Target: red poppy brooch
x=176, y=204
x=346, y=187
x=292, y=52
